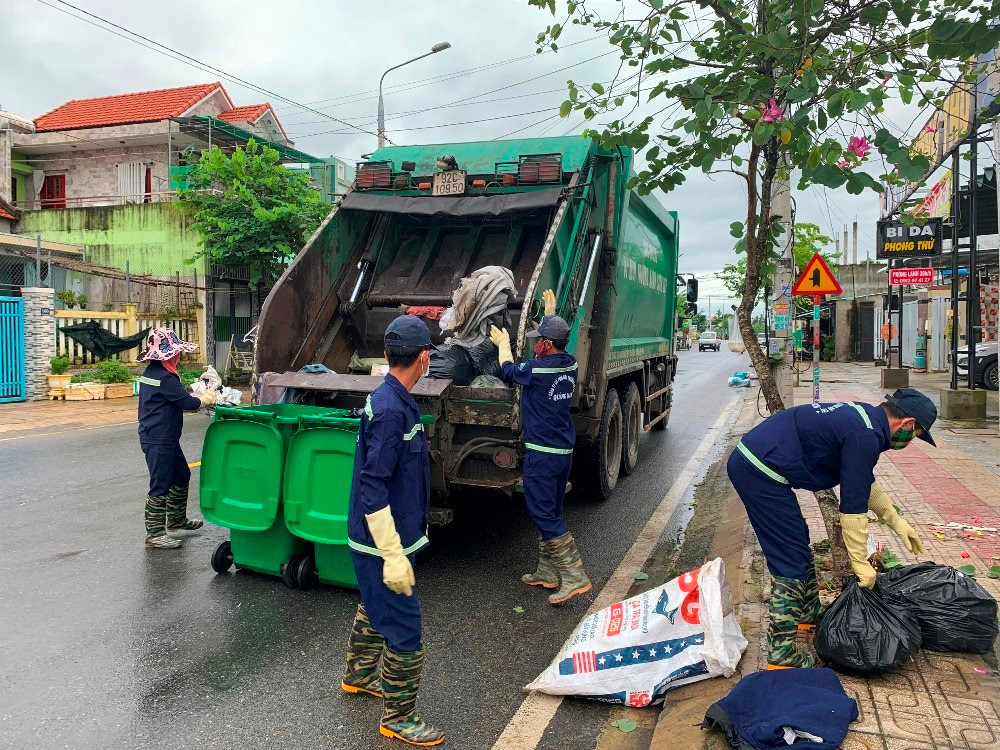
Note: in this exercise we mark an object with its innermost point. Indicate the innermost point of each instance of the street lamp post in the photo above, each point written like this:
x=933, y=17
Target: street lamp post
x=440, y=47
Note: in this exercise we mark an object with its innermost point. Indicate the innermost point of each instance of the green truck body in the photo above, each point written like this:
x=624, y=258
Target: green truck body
x=553, y=210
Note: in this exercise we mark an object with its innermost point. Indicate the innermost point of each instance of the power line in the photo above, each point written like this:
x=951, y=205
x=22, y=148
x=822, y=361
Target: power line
x=423, y=82
x=187, y=59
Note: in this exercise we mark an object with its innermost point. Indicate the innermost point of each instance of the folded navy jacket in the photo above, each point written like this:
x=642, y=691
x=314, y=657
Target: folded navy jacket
x=765, y=706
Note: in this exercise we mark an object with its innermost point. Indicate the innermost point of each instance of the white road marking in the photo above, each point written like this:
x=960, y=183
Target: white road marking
x=526, y=727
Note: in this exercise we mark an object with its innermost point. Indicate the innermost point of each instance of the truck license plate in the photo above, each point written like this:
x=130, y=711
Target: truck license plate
x=449, y=183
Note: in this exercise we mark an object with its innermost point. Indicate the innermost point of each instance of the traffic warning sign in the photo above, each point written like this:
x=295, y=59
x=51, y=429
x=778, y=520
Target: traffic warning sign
x=816, y=279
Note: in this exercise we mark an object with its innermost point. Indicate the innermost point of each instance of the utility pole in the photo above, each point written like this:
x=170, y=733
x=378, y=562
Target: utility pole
x=854, y=251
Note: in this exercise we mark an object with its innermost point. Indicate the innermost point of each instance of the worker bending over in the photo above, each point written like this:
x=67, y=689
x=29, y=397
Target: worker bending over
x=162, y=403
x=816, y=447
x=548, y=383
x=387, y=525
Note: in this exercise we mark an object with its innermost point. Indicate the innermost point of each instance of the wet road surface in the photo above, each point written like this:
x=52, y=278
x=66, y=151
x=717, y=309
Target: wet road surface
x=109, y=645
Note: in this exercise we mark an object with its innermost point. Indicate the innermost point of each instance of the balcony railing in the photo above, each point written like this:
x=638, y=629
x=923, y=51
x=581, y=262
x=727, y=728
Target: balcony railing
x=87, y=201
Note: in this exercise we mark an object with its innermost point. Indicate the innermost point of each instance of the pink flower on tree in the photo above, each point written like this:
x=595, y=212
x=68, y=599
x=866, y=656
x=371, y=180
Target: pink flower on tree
x=859, y=146
x=844, y=164
x=772, y=113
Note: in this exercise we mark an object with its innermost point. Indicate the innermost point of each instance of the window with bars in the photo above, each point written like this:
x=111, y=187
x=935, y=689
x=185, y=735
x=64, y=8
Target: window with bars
x=53, y=194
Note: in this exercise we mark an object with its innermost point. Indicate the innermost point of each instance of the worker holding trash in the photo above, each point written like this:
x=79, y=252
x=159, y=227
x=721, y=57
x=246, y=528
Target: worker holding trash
x=548, y=383
x=162, y=403
x=816, y=447
x=387, y=524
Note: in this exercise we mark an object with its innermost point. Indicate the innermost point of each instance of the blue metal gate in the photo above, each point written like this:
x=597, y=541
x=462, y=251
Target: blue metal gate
x=12, y=381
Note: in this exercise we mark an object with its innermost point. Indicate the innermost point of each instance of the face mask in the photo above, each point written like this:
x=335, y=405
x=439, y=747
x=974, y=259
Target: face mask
x=540, y=348
x=900, y=439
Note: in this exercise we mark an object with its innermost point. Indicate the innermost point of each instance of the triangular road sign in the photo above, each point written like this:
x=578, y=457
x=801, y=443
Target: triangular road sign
x=816, y=279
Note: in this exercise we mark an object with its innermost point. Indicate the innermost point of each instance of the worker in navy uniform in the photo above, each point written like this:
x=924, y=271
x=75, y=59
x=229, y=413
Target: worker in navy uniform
x=548, y=383
x=387, y=525
x=162, y=403
x=816, y=447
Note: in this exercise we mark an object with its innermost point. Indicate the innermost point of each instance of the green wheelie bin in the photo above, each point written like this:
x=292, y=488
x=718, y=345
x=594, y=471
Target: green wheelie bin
x=319, y=471
x=243, y=460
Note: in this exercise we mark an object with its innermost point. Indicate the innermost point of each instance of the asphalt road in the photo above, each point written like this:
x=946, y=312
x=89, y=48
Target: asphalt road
x=106, y=644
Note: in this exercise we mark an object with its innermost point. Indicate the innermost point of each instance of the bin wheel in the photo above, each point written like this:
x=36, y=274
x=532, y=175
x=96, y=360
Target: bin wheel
x=305, y=573
x=288, y=570
x=222, y=558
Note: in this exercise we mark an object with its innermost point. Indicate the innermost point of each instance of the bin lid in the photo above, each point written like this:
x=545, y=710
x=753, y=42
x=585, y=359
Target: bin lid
x=319, y=469
x=241, y=467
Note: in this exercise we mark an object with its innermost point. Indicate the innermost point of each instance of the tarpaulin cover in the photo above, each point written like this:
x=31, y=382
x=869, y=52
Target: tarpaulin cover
x=764, y=704
x=100, y=341
x=862, y=633
x=955, y=613
x=461, y=206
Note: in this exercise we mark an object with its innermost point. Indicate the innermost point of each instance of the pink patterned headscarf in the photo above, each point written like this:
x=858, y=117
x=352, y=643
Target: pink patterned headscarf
x=162, y=344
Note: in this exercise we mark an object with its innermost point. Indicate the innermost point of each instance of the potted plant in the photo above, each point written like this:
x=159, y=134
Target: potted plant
x=58, y=377
x=81, y=300
x=117, y=378
x=67, y=297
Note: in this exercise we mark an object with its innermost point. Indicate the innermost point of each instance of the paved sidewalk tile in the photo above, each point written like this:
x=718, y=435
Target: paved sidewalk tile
x=42, y=417
x=938, y=701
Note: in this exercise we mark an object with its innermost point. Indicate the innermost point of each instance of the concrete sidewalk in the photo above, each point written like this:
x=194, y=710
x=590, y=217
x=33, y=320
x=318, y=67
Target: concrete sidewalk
x=938, y=701
x=33, y=418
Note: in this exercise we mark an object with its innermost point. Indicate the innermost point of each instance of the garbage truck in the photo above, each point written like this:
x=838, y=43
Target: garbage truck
x=416, y=220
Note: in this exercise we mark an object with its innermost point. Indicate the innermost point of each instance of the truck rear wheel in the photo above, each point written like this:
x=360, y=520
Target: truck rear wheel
x=601, y=465
x=631, y=428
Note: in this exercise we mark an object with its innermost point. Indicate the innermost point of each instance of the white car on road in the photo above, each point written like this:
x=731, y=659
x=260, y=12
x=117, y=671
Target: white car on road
x=986, y=364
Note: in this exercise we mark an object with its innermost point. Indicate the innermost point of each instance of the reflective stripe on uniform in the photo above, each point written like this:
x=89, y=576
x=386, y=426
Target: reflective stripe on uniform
x=376, y=552
x=368, y=408
x=547, y=449
x=553, y=370
x=149, y=381
x=864, y=415
x=418, y=427
x=766, y=470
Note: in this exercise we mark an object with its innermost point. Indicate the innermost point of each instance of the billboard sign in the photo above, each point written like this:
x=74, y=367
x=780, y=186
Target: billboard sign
x=897, y=240
x=909, y=276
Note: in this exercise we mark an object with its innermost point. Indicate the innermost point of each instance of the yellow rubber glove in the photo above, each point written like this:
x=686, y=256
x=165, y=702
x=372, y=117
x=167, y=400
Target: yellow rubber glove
x=207, y=398
x=855, y=528
x=880, y=504
x=501, y=338
x=397, y=573
x=549, y=302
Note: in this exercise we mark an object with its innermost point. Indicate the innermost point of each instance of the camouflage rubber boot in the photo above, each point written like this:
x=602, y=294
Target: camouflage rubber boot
x=156, y=533
x=177, y=520
x=811, y=608
x=573, y=579
x=364, y=657
x=545, y=575
x=785, y=612
x=400, y=682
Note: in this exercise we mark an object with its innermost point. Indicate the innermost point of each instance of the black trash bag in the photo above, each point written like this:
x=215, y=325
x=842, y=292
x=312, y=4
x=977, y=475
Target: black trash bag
x=486, y=359
x=954, y=612
x=860, y=633
x=100, y=341
x=451, y=363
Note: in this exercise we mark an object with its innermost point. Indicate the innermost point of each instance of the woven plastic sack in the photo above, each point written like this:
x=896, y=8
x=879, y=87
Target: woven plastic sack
x=636, y=650
x=955, y=613
x=862, y=633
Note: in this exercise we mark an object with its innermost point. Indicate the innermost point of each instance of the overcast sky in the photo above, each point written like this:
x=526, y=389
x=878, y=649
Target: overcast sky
x=329, y=54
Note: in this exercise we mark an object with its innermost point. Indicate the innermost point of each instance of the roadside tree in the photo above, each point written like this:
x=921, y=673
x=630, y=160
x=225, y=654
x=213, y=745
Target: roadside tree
x=760, y=90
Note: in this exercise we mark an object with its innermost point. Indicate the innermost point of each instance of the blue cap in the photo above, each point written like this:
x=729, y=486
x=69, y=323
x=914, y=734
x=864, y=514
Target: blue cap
x=552, y=327
x=407, y=332
x=913, y=403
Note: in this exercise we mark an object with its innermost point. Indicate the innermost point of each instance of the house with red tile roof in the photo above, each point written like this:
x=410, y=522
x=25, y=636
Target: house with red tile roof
x=102, y=173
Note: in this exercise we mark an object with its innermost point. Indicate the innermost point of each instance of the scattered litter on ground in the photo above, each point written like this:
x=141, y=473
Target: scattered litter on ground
x=640, y=576
x=969, y=570
x=980, y=670
x=994, y=572
x=519, y=609
x=624, y=725
x=740, y=379
x=965, y=555
x=955, y=526
x=822, y=547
